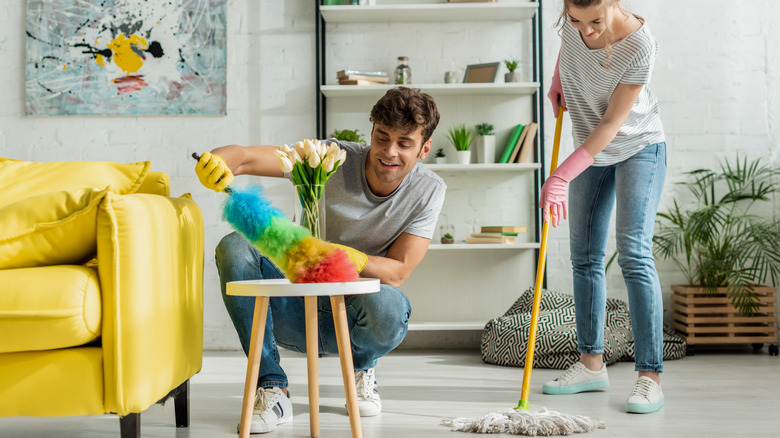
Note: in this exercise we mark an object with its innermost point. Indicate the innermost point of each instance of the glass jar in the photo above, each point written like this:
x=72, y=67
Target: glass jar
x=403, y=74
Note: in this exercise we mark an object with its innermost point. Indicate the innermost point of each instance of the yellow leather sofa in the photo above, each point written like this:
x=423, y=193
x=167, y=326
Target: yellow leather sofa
x=101, y=307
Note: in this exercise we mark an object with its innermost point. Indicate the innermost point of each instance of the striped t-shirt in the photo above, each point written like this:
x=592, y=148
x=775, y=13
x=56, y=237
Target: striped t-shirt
x=588, y=87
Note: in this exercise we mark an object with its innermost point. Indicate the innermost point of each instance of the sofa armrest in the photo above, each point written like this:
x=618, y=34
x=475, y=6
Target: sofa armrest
x=150, y=263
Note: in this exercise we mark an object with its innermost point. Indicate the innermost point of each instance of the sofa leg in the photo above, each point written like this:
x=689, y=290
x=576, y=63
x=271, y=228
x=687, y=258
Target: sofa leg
x=130, y=426
x=181, y=404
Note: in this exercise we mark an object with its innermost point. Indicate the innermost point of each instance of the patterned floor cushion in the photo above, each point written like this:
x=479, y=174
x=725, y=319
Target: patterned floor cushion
x=504, y=339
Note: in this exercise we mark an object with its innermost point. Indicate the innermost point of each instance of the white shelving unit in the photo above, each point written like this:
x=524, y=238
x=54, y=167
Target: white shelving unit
x=431, y=12
x=458, y=286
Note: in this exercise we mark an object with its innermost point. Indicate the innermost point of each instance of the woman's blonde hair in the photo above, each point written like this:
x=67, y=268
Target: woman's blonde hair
x=602, y=5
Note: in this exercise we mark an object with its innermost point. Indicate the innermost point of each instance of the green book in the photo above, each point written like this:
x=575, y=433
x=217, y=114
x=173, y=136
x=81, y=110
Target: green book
x=510, y=144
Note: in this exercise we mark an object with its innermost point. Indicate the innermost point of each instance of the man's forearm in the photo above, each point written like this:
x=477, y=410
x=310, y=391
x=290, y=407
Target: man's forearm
x=387, y=270
x=250, y=160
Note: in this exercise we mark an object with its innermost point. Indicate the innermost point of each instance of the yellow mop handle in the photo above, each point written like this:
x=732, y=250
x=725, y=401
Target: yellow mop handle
x=529, y=355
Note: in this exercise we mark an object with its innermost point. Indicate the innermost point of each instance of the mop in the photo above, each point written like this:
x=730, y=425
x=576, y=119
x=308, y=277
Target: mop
x=291, y=247
x=520, y=421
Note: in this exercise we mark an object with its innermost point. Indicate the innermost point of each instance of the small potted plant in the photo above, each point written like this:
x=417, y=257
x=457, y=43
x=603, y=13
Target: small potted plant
x=447, y=238
x=512, y=76
x=725, y=250
x=486, y=143
x=461, y=138
x=348, y=135
x=440, y=157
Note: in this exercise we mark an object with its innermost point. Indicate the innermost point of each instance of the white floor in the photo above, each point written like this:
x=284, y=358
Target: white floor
x=716, y=393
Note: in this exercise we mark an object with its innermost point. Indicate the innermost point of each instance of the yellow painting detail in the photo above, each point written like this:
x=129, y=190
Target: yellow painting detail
x=124, y=56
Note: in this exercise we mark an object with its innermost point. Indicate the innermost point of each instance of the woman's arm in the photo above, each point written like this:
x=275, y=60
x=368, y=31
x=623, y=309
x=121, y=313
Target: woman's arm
x=620, y=104
x=403, y=256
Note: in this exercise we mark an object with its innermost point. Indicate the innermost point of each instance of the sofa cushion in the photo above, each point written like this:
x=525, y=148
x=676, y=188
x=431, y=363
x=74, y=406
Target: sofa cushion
x=50, y=229
x=22, y=179
x=45, y=308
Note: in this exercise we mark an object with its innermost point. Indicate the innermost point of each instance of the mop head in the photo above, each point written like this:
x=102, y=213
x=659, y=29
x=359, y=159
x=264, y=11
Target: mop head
x=522, y=422
x=303, y=258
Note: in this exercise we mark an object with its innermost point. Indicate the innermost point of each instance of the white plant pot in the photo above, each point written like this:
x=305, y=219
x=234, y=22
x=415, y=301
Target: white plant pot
x=441, y=160
x=512, y=77
x=464, y=157
x=486, y=148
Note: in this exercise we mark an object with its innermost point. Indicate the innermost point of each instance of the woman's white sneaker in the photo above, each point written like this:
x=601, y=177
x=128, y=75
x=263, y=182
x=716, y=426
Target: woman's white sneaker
x=646, y=397
x=577, y=379
x=272, y=408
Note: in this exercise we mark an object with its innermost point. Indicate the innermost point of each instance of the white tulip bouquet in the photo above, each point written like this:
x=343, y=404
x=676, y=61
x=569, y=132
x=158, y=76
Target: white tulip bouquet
x=310, y=163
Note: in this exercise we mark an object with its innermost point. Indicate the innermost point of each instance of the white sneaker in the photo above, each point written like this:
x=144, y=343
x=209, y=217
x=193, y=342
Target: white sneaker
x=577, y=379
x=369, y=403
x=272, y=408
x=646, y=397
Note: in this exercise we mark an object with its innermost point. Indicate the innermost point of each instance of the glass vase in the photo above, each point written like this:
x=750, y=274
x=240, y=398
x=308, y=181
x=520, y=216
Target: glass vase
x=310, y=208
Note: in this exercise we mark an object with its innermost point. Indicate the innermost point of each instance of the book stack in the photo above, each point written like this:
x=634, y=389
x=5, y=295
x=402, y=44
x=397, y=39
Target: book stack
x=496, y=234
x=358, y=77
x=519, y=147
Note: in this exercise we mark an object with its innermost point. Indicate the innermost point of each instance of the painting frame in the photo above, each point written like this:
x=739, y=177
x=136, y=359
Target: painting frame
x=126, y=58
x=479, y=73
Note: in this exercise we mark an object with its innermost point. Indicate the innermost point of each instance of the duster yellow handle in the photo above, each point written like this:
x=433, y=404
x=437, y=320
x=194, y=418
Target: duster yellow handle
x=529, y=355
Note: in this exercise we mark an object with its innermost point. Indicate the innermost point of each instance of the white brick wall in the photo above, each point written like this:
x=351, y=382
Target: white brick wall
x=717, y=79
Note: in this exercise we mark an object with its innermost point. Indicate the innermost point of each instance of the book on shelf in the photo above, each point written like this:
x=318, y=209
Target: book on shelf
x=526, y=150
x=360, y=82
x=380, y=79
x=490, y=239
x=504, y=229
x=518, y=145
x=510, y=144
x=493, y=234
x=350, y=72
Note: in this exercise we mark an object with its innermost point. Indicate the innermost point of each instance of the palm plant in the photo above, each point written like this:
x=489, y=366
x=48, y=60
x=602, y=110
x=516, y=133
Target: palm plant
x=460, y=137
x=721, y=242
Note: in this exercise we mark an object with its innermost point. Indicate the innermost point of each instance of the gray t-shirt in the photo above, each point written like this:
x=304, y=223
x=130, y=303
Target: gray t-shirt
x=356, y=217
x=588, y=87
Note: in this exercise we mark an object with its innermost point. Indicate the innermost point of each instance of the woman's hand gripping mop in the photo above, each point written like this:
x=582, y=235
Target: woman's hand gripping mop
x=520, y=421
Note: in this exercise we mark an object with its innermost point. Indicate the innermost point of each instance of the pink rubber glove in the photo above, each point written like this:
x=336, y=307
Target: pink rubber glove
x=556, y=90
x=553, y=196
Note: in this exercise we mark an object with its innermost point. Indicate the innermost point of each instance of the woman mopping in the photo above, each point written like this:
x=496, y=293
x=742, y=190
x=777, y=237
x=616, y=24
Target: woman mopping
x=604, y=68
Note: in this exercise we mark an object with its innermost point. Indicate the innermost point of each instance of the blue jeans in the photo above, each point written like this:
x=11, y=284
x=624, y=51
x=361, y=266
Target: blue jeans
x=634, y=185
x=377, y=322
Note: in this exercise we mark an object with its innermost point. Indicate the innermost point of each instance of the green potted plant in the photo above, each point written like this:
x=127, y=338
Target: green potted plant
x=511, y=65
x=461, y=139
x=486, y=143
x=724, y=248
x=447, y=238
x=440, y=157
x=348, y=135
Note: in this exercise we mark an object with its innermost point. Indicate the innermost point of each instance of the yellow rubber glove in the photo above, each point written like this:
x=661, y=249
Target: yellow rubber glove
x=213, y=172
x=358, y=258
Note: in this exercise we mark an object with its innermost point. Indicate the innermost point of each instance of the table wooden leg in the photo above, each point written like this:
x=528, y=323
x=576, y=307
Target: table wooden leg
x=312, y=353
x=253, y=366
x=347, y=367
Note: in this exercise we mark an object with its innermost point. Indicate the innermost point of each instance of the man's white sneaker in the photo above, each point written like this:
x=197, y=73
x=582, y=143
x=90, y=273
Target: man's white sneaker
x=272, y=408
x=646, y=397
x=577, y=379
x=369, y=403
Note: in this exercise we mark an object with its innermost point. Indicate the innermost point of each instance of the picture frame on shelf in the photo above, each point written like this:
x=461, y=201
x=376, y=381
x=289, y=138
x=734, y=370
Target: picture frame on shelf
x=480, y=73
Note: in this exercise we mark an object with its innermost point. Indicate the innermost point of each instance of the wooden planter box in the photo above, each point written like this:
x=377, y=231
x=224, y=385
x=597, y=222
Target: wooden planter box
x=705, y=318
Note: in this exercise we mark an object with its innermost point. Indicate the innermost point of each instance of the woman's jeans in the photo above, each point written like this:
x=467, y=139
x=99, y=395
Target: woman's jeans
x=377, y=322
x=634, y=185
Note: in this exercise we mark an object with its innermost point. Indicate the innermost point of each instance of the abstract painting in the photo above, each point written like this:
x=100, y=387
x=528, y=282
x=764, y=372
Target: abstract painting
x=126, y=57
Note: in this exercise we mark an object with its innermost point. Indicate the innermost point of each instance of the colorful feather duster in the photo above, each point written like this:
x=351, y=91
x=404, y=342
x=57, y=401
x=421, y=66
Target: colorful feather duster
x=291, y=247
